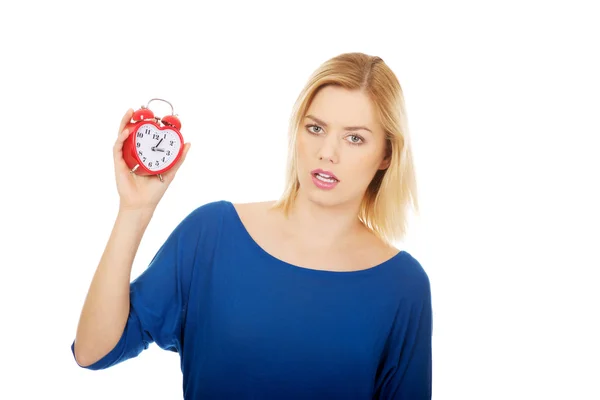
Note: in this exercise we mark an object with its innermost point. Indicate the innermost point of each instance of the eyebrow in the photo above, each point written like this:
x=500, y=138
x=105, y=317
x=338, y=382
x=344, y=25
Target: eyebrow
x=350, y=128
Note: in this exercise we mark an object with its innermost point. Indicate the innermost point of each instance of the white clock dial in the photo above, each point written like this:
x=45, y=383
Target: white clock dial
x=156, y=148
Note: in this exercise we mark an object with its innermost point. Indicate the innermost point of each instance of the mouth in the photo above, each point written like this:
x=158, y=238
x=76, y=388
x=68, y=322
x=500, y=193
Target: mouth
x=324, y=176
x=324, y=179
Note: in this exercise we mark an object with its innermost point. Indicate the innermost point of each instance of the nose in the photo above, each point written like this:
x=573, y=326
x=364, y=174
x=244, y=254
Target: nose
x=329, y=151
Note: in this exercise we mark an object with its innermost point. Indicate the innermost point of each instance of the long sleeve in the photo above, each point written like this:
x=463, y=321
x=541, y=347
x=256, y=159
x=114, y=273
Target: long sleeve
x=158, y=297
x=250, y=325
x=406, y=372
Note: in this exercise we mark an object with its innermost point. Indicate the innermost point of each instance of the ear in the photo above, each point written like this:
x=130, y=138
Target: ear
x=385, y=163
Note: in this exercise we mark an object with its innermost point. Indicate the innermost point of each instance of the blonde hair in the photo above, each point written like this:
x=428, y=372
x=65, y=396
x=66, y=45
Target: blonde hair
x=384, y=208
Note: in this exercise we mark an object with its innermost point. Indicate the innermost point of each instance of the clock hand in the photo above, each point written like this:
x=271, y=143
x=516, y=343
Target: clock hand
x=155, y=147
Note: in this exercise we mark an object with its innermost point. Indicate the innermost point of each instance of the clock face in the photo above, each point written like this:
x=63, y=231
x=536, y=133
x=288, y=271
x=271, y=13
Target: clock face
x=156, y=148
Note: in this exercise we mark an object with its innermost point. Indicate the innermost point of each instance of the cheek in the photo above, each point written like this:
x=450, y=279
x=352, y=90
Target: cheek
x=301, y=152
x=304, y=147
x=365, y=167
x=367, y=161
x=304, y=142
x=300, y=144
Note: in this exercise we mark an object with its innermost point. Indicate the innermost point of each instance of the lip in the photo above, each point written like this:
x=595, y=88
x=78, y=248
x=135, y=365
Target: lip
x=320, y=171
x=321, y=184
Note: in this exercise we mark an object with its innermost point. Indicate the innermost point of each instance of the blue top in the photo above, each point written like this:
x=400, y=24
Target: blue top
x=248, y=325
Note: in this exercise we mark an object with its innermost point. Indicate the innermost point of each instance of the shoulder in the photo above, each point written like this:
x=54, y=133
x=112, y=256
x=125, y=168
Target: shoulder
x=205, y=217
x=254, y=213
x=216, y=213
x=200, y=230
x=409, y=277
x=210, y=209
x=410, y=267
x=253, y=208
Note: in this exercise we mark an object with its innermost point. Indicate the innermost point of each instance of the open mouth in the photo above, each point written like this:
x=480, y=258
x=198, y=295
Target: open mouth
x=325, y=178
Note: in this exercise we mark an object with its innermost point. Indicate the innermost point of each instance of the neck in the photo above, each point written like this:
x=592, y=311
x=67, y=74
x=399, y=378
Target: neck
x=324, y=226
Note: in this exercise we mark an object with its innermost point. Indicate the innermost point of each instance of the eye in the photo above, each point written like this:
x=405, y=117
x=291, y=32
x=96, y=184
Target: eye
x=313, y=126
x=355, y=139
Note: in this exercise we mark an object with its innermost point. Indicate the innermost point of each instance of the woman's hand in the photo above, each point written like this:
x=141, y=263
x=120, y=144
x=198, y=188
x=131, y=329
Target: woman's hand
x=139, y=192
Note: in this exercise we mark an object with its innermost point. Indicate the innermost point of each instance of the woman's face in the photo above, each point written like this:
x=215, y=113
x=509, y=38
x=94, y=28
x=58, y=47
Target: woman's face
x=340, y=147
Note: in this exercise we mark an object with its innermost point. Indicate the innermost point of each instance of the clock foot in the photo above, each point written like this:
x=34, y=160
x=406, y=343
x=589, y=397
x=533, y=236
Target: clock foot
x=160, y=177
x=134, y=168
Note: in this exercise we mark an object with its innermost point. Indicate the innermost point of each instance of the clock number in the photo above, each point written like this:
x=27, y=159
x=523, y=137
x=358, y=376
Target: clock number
x=171, y=142
x=147, y=131
x=155, y=136
x=150, y=164
x=140, y=153
x=138, y=144
x=144, y=159
x=168, y=152
x=164, y=137
x=140, y=134
x=163, y=159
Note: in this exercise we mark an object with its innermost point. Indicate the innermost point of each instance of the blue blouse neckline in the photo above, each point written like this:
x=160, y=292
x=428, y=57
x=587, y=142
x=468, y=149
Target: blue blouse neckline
x=271, y=257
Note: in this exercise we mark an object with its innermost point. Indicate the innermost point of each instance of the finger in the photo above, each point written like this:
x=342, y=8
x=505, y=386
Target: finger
x=186, y=148
x=118, y=146
x=176, y=167
x=126, y=118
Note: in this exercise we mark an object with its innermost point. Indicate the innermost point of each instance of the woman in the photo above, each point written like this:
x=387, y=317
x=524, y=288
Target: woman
x=303, y=297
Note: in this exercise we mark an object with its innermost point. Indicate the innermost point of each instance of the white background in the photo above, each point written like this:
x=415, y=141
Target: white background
x=503, y=100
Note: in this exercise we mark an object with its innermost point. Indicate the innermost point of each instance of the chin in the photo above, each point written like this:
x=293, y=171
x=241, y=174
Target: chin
x=324, y=198
x=324, y=201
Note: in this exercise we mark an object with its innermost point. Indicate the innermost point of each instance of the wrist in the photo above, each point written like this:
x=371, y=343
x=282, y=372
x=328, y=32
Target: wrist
x=136, y=214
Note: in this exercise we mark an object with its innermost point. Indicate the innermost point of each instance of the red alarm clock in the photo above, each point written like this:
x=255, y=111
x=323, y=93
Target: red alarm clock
x=154, y=144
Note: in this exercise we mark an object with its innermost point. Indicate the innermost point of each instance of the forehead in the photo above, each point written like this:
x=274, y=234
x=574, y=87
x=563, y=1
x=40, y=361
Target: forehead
x=338, y=106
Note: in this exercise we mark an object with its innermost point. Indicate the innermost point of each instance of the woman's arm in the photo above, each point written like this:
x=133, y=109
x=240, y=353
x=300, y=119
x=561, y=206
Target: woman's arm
x=106, y=306
x=406, y=372
x=106, y=309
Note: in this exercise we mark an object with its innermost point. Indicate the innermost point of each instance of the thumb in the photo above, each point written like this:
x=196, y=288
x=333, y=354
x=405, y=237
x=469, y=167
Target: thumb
x=176, y=167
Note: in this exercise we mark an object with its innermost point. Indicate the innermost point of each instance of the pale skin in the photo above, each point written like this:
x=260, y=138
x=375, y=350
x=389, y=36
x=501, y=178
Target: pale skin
x=106, y=306
x=322, y=231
